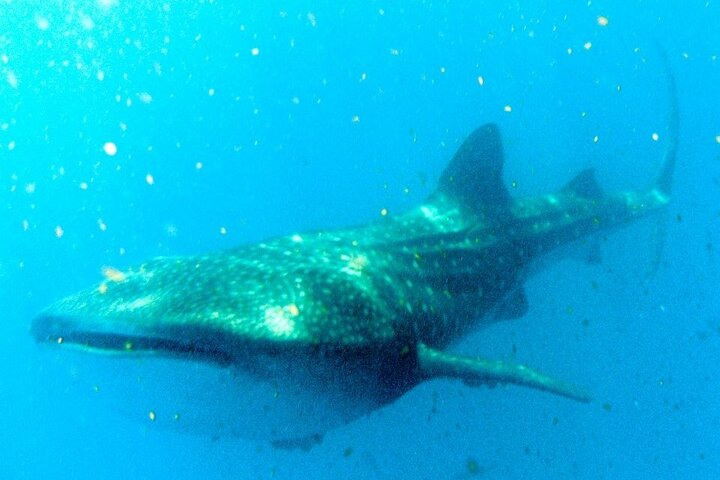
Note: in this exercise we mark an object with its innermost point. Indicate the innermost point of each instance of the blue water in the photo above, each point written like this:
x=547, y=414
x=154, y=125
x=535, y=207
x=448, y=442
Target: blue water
x=234, y=122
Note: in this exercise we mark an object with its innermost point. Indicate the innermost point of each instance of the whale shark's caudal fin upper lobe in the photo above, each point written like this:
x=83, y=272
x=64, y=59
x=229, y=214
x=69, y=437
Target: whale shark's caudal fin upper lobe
x=474, y=176
x=664, y=180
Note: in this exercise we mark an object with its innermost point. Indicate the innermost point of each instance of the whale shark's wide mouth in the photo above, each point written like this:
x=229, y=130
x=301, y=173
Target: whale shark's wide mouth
x=63, y=331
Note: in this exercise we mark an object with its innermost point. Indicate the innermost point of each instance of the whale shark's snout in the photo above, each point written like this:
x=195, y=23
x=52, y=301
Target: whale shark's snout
x=135, y=313
x=175, y=307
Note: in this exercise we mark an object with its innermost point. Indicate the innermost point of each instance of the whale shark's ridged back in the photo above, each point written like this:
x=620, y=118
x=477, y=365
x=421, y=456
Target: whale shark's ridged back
x=474, y=176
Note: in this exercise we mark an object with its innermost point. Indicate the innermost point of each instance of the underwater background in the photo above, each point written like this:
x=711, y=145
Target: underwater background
x=134, y=129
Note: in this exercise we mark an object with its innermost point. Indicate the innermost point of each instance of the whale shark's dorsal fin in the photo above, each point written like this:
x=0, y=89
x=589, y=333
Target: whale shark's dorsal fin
x=474, y=176
x=480, y=371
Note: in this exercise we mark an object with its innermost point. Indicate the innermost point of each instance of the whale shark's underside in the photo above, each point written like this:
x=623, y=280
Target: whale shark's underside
x=335, y=324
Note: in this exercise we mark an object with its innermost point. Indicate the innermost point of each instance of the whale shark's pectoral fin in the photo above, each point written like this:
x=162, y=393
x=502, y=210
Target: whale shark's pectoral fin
x=480, y=371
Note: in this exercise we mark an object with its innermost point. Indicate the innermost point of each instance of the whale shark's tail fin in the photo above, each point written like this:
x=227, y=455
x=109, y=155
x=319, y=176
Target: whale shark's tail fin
x=481, y=371
x=474, y=176
x=664, y=180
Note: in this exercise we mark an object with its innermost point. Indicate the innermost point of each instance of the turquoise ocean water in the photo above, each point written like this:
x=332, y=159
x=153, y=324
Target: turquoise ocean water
x=134, y=129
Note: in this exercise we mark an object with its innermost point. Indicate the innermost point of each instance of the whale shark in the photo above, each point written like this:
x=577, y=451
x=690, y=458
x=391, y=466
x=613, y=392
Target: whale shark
x=324, y=327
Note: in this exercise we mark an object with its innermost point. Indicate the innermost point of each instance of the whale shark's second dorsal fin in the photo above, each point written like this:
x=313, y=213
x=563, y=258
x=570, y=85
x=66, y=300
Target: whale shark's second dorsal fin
x=474, y=176
x=584, y=185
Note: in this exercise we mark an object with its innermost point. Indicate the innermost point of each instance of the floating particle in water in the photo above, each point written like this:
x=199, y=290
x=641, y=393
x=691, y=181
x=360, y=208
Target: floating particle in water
x=87, y=22
x=145, y=97
x=171, y=230
x=149, y=179
x=110, y=149
x=107, y=3
x=12, y=79
x=59, y=232
x=42, y=23
x=473, y=467
x=602, y=21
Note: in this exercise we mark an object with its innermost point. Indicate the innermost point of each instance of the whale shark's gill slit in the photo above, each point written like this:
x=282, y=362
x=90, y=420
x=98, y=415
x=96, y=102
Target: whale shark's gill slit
x=114, y=343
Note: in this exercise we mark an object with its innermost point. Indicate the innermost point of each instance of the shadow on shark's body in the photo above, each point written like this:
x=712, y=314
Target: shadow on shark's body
x=328, y=326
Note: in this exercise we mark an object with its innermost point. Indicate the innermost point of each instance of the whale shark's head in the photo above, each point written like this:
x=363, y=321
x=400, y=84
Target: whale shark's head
x=208, y=308
x=132, y=313
x=225, y=307
x=229, y=342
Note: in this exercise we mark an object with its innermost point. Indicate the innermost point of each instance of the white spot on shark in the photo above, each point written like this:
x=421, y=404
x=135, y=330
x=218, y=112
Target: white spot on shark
x=430, y=212
x=133, y=305
x=355, y=264
x=280, y=320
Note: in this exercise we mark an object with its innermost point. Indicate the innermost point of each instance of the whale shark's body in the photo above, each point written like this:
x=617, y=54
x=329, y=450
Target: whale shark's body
x=325, y=327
